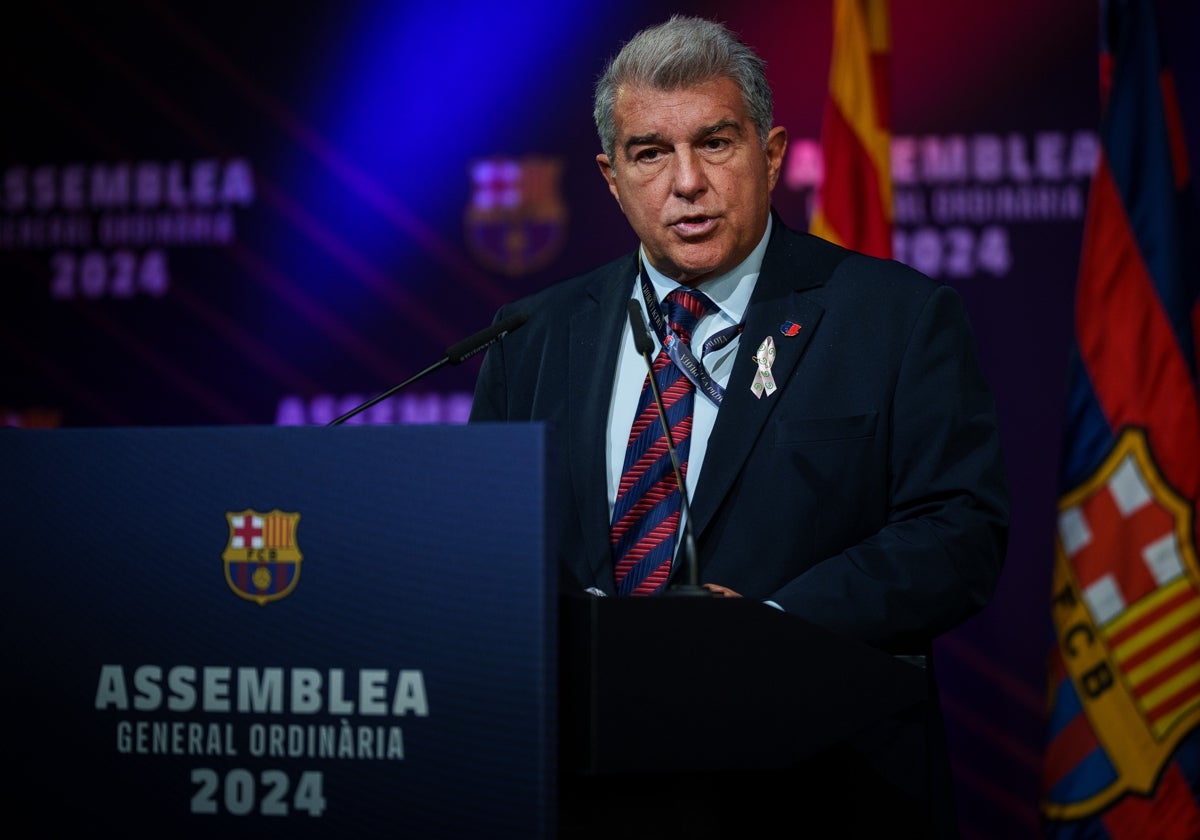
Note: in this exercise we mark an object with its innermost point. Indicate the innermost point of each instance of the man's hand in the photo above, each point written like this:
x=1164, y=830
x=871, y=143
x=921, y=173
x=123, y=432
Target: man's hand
x=721, y=591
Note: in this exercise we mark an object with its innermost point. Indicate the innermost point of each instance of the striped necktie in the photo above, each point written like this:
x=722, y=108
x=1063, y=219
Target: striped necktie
x=647, y=509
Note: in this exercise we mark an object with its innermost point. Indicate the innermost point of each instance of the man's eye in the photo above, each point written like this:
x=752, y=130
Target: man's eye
x=716, y=144
x=647, y=155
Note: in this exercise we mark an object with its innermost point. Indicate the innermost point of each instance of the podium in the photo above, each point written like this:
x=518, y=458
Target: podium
x=257, y=631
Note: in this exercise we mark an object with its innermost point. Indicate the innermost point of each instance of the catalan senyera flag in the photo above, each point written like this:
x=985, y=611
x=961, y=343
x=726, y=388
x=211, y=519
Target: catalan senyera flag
x=854, y=203
x=1122, y=756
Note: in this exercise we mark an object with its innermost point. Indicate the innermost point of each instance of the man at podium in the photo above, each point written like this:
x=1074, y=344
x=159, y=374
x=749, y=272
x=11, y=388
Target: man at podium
x=837, y=440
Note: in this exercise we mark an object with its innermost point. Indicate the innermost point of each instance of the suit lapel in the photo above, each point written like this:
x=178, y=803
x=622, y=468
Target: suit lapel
x=594, y=334
x=779, y=296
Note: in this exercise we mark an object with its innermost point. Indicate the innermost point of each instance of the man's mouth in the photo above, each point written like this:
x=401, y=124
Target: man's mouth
x=693, y=225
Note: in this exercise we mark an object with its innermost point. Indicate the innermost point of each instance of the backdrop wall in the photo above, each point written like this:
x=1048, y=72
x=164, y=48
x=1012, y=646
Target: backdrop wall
x=233, y=213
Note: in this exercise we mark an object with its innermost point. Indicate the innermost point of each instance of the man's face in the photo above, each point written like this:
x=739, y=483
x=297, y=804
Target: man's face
x=692, y=177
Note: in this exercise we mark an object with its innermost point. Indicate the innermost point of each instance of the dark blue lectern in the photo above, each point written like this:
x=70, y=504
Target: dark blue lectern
x=279, y=631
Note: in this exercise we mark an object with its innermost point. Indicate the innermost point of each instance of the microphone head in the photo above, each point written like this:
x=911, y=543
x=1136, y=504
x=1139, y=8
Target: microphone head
x=641, y=338
x=458, y=353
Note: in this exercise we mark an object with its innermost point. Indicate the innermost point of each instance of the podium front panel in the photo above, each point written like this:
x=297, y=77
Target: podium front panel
x=279, y=631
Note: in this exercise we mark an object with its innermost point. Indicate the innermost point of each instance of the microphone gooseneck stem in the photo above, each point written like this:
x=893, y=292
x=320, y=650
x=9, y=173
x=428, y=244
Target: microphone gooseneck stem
x=456, y=354
x=644, y=346
x=381, y=397
x=689, y=537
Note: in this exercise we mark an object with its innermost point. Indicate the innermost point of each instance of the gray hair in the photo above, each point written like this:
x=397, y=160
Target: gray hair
x=682, y=52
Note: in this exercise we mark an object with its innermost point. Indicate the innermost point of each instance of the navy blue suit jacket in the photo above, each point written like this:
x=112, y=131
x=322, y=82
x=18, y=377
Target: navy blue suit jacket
x=866, y=495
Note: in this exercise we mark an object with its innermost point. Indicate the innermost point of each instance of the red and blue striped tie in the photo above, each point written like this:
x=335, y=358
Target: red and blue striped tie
x=647, y=509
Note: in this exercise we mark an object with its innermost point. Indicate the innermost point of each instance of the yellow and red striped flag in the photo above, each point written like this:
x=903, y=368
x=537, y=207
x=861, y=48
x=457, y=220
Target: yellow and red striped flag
x=854, y=203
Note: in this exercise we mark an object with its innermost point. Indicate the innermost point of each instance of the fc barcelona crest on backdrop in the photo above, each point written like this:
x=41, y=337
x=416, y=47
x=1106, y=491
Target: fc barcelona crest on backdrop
x=262, y=558
x=1127, y=617
x=516, y=221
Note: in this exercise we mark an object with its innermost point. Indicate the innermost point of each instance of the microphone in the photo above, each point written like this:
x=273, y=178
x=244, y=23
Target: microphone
x=645, y=346
x=456, y=354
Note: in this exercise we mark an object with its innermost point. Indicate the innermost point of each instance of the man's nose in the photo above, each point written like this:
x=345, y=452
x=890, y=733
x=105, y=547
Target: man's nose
x=688, y=178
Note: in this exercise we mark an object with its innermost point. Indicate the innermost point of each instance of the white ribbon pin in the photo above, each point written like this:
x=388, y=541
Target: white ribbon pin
x=763, y=382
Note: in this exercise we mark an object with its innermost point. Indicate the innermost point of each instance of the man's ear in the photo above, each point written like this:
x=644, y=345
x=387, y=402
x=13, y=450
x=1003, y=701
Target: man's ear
x=776, y=146
x=606, y=169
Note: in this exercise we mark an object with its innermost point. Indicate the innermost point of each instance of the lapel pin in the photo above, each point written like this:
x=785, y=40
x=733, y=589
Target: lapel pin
x=763, y=382
x=789, y=328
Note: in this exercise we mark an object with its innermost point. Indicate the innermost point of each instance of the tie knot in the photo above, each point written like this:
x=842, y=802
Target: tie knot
x=683, y=309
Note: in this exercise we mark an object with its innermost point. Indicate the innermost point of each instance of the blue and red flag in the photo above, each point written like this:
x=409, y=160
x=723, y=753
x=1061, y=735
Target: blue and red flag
x=1122, y=756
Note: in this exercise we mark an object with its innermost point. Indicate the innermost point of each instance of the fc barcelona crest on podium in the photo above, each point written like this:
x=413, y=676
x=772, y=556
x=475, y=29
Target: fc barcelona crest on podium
x=262, y=558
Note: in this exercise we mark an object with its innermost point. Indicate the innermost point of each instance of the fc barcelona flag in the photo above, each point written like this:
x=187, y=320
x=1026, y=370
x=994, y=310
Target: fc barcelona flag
x=854, y=204
x=1122, y=755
